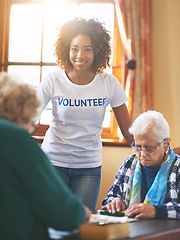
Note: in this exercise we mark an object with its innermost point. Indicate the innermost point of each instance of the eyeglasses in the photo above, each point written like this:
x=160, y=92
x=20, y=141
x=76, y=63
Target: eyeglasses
x=146, y=149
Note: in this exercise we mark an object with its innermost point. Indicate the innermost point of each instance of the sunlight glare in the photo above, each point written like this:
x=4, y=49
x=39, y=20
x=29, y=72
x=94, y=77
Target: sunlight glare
x=54, y=16
x=25, y=33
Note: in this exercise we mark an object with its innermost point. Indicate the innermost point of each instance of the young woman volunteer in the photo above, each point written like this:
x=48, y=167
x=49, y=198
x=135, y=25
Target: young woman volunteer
x=80, y=92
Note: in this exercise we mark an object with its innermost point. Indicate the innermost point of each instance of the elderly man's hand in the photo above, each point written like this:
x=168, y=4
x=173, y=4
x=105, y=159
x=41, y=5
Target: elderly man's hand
x=115, y=205
x=141, y=210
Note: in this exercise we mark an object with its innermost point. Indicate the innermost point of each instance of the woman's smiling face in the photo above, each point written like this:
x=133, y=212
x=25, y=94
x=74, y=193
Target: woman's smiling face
x=81, y=53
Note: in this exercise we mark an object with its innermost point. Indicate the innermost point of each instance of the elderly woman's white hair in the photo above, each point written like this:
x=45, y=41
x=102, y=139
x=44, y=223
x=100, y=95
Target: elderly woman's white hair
x=151, y=120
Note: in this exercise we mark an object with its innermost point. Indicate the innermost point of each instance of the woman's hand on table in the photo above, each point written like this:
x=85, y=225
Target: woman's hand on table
x=141, y=210
x=115, y=205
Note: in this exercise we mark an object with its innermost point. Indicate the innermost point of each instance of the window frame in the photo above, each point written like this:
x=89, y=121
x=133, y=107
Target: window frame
x=109, y=135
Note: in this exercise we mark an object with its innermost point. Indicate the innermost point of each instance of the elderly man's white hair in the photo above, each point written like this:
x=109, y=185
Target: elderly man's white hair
x=151, y=120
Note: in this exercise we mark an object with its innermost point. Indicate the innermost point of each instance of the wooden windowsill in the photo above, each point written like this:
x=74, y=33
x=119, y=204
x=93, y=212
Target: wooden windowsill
x=105, y=142
x=113, y=143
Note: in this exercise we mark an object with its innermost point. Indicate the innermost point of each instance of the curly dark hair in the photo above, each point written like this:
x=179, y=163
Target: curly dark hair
x=100, y=39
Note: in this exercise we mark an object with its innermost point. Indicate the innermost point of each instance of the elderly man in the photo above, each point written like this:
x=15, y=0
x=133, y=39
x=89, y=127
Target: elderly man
x=148, y=182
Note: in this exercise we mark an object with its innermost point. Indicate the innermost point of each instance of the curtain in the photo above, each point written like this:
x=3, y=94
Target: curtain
x=134, y=21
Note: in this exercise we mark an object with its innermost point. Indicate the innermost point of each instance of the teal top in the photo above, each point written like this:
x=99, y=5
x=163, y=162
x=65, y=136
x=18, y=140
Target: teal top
x=32, y=195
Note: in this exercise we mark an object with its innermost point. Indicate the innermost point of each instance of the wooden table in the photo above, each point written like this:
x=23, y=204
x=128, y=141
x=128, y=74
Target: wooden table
x=155, y=229
x=150, y=229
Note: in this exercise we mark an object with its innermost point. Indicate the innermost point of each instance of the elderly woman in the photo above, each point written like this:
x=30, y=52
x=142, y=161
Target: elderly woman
x=148, y=182
x=19, y=103
x=33, y=197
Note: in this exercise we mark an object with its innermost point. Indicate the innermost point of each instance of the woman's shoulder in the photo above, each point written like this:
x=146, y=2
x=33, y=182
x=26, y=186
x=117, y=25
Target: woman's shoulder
x=8, y=126
x=130, y=159
x=127, y=163
x=53, y=78
x=108, y=76
x=12, y=132
x=177, y=162
x=175, y=172
x=109, y=79
x=176, y=167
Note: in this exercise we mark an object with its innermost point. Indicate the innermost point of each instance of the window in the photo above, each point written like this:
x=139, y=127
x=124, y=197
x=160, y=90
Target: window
x=29, y=32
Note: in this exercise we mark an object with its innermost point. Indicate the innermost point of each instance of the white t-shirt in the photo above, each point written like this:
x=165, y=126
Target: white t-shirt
x=74, y=137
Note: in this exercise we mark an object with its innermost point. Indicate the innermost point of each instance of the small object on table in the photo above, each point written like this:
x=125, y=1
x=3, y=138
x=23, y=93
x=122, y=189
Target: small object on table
x=101, y=227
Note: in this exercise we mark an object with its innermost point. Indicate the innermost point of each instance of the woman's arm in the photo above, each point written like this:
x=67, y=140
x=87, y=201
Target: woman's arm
x=124, y=121
x=118, y=189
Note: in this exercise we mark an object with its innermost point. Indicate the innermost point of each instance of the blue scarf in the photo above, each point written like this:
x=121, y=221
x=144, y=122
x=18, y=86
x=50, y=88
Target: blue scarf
x=156, y=194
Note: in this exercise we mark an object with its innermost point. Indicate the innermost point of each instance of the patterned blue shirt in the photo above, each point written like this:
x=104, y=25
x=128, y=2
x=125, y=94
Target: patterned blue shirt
x=171, y=206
